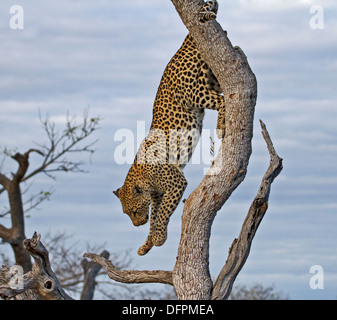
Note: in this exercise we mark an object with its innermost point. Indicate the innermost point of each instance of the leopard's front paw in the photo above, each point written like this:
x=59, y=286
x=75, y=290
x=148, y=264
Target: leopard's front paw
x=146, y=247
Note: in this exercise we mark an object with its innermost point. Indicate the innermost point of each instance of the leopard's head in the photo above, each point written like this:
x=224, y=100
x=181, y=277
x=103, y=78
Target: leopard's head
x=135, y=203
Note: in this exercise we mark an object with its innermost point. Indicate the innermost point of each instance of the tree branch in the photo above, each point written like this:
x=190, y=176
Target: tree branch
x=5, y=233
x=240, y=248
x=131, y=276
x=23, y=162
x=191, y=275
x=66, y=142
x=91, y=270
x=4, y=181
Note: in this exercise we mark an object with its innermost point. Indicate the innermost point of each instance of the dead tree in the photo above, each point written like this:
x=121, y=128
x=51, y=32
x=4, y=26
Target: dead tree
x=41, y=283
x=190, y=276
x=53, y=159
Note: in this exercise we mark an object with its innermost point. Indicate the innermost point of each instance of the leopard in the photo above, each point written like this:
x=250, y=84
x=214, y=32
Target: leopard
x=155, y=179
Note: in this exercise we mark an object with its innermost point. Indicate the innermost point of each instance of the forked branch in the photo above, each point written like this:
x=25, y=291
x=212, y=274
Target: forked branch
x=65, y=142
x=240, y=248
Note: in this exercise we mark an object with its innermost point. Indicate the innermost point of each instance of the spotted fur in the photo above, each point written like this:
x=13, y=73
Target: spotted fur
x=208, y=11
x=155, y=179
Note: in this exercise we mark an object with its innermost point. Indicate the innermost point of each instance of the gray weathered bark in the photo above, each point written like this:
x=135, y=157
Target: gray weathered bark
x=239, y=251
x=191, y=276
x=41, y=283
x=131, y=276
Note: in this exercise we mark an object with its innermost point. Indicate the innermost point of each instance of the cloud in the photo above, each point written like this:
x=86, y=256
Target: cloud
x=109, y=56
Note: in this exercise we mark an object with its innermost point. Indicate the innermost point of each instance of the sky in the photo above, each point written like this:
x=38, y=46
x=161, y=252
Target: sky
x=108, y=57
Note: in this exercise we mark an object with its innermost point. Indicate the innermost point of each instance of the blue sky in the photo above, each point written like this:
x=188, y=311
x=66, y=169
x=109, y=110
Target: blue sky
x=110, y=55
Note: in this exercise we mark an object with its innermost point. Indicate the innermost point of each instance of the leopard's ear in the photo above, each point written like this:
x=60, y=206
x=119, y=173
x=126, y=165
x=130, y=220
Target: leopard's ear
x=117, y=192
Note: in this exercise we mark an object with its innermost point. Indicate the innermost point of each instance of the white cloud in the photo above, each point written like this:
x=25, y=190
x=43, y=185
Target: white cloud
x=109, y=56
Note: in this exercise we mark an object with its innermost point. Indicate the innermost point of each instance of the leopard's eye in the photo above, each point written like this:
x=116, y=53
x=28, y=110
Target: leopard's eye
x=136, y=191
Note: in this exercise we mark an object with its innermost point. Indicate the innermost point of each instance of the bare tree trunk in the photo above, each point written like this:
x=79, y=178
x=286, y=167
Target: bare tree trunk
x=191, y=276
x=16, y=234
